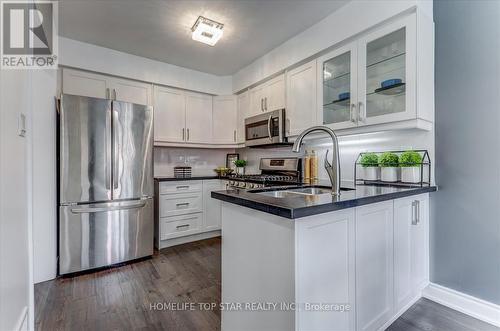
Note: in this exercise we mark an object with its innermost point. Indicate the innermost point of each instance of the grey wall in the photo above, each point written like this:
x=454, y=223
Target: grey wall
x=465, y=223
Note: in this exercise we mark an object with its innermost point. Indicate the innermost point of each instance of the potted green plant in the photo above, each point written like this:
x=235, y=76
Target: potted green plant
x=390, y=167
x=240, y=166
x=369, y=162
x=410, y=163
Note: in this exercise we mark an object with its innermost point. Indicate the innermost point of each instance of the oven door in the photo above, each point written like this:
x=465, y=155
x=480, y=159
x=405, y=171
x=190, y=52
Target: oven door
x=265, y=129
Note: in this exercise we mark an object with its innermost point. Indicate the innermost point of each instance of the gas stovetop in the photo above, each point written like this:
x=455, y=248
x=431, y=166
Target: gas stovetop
x=275, y=172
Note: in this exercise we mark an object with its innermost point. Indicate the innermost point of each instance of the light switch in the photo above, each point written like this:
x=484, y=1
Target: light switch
x=22, y=125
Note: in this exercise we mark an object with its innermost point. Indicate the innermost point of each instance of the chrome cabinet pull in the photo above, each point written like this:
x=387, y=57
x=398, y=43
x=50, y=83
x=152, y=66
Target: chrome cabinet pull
x=114, y=93
x=353, y=113
x=187, y=134
x=182, y=226
x=234, y=135
x=261, y=104
x=107, y=93
x=180, y=204
x=418, y=211
x=183, y=134
x=265, y=103
x=414, y=212
x=182, y=187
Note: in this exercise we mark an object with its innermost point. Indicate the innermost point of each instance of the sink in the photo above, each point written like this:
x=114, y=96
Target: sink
x=295, y=191
x=311, y=190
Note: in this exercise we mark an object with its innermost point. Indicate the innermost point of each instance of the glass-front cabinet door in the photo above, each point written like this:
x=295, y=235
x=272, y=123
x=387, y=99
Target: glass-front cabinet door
x=337, y=87
x=387, y=70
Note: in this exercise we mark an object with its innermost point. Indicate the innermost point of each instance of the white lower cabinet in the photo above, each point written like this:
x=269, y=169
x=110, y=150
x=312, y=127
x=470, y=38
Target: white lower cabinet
x=410, y=248
x=178, y=226
x=325, y=269
x=374, y=265
x=186, y=208
x=211, y=207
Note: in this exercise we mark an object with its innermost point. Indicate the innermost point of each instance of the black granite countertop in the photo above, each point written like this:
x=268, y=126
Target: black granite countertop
x=170, y=179
x=302, y=205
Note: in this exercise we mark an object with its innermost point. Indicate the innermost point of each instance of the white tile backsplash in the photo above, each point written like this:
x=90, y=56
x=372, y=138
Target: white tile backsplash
x=202, y=160
x=350, y=147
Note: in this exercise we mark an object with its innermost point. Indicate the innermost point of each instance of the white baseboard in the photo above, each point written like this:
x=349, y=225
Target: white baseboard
x=22, y=322
x=188, y=239
x=400, y=312
x=464, y=303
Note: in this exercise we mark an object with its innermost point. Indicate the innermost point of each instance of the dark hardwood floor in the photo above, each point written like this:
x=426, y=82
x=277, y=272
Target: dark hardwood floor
x=121, y=298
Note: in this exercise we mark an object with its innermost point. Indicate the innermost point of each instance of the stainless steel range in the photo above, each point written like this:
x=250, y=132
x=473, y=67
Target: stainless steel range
x=274, y=172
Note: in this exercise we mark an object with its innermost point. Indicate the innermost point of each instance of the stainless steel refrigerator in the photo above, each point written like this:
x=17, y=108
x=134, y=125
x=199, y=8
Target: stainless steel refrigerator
x=105, y=182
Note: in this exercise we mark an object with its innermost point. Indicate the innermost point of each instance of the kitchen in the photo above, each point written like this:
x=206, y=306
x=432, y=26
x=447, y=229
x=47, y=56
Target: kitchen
x=194, y=165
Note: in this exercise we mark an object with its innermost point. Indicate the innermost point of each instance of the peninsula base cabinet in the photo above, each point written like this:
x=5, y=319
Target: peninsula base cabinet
x=185, y=211
x=353, y=269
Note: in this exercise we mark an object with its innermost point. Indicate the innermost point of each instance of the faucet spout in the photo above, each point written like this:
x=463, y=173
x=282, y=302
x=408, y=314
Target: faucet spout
x=333, y=168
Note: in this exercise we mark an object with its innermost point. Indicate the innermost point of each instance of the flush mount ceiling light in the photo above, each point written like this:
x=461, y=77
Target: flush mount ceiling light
x=207, y=31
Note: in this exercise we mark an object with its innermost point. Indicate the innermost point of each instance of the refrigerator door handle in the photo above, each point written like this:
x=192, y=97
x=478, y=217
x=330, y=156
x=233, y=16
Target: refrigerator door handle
x=116, y=150
x=89, y=210
x=109, y=150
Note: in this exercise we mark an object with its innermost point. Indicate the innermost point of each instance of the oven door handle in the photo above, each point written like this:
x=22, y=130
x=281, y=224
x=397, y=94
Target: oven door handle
x=269, y=127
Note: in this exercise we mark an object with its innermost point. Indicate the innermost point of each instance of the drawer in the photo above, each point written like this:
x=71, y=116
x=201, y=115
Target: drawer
x=181, y=186
x=178, y=226
x=180, y=204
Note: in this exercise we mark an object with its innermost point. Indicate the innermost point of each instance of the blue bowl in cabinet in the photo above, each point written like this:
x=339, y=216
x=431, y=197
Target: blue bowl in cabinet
x=391, y=82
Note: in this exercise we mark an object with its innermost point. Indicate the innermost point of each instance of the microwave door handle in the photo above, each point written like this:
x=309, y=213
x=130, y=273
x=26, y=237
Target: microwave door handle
x=269, y=127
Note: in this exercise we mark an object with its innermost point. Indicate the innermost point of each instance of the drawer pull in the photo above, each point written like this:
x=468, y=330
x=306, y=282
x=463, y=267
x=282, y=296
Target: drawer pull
x=182, y=204
x=182, y=226
x=182, y=187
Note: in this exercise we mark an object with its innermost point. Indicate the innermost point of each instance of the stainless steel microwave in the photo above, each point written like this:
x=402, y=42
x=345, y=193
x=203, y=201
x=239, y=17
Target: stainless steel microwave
x=265, y=129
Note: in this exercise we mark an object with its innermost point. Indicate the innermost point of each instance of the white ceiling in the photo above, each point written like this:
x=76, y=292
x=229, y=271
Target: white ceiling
x=161, y=30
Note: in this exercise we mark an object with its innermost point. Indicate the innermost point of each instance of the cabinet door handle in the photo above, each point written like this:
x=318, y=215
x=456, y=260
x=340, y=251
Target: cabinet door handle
x=414, y=212
x=361, y=110
x=261, y=104
x=182, y=204
x=182, y=226
x=183, y=187
x=234, y=135
x=418, y=211
x=107, y=93
x=187, y=134
x=265, y=103
x=183, y=134
x=353, y=113
x=114, y=94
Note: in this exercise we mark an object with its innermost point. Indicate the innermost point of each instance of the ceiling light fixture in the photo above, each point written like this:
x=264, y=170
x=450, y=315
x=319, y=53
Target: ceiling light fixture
x=207, y=31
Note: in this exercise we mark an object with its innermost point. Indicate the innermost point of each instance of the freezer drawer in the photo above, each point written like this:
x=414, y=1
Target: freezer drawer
x=97, y=235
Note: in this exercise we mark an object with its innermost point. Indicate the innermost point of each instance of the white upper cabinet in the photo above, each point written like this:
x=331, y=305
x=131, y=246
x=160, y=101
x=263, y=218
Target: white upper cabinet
x=130, y=91
x=301, y=98
x=224, y=120
x=372, y=80
x=198, y=118
x=387, y=73
x=274, y=94
x=101, y=86
x=268, y=96
x=243, y=112
x=169, y=115
x=256, y=101
x=337, y=92
x=84, y=83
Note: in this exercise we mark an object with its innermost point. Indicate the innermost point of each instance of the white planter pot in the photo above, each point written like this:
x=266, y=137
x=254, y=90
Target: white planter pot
x=410, y=174
x=371, y=173
x=389, y=174
x=240, y=171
